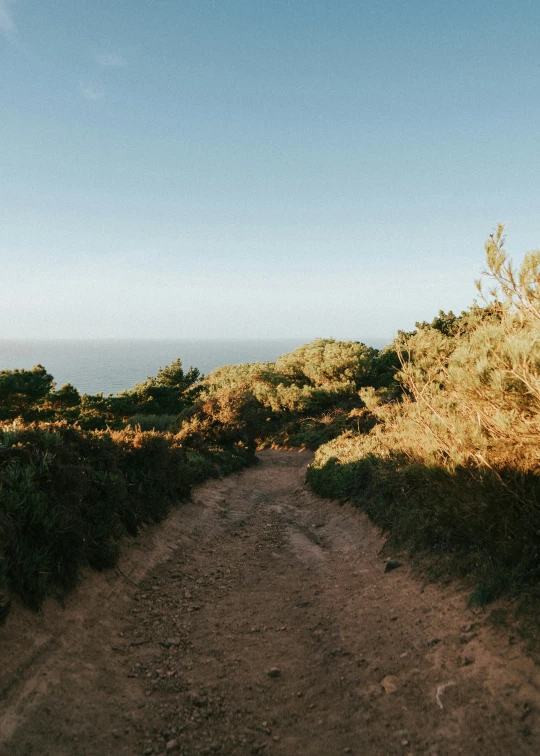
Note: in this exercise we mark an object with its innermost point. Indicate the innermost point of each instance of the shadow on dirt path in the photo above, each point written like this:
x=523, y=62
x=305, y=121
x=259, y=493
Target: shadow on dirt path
x=259, y=619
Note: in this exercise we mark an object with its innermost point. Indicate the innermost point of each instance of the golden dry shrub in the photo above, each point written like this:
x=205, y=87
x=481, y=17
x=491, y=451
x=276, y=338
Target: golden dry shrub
x=452, y=464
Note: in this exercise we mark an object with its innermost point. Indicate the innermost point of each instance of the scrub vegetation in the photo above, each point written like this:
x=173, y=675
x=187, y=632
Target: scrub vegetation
x=451, y=463
x=76, y=472
x=435, y=437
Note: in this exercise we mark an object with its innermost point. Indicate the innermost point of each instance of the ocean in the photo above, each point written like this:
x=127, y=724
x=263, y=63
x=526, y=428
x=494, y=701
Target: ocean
x=110, y=366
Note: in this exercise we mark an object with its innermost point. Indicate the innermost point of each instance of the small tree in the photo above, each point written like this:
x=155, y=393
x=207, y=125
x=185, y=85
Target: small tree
x=22, y=391
x=67, y=396
x=520, y=288
x=168, y=393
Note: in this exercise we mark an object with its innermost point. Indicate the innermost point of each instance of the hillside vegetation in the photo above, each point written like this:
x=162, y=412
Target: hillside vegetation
x=76, y=472
x=435, y=436
x=451, y=464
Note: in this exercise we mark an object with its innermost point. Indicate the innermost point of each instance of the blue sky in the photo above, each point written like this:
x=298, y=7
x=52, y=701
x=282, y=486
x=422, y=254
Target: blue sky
x=231, y=168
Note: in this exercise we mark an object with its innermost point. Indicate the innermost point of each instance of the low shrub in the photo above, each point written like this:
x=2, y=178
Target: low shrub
x=162, y=423
x=67, y=495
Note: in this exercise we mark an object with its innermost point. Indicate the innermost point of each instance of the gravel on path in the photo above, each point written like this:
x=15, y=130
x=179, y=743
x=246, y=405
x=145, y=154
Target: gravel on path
x=262, y=619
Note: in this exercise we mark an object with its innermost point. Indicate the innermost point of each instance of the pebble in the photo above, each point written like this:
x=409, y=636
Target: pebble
x=389, y=684
x=171, y=642
x=274, y=672
x=393, y=564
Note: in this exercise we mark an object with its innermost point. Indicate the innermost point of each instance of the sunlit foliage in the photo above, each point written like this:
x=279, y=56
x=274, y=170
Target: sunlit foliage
x=453, y=463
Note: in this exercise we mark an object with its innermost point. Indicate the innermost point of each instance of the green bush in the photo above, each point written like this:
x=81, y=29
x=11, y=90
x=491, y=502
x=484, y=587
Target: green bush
x=67, y=495
x=153, y=422
x=22, y=392
x=168, y=393
x=306, y=397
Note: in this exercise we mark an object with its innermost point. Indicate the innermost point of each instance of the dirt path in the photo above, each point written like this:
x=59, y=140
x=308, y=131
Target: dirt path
x=172, y=653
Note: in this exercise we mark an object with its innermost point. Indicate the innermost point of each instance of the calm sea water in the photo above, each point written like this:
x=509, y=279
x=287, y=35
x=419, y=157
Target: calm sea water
x=112, y=366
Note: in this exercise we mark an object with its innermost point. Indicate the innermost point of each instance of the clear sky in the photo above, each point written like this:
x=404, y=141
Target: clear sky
x=272, y=168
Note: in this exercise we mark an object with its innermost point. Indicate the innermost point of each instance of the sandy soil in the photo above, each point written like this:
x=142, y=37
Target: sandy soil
x=259, y=619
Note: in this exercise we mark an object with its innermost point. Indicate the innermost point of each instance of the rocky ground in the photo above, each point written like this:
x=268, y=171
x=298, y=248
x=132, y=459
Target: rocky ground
x=261, y=619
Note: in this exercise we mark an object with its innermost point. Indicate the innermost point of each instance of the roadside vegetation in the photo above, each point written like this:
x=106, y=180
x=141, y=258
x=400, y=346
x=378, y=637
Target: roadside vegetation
x=78, y=472
x=435, y=437
x=451, y=464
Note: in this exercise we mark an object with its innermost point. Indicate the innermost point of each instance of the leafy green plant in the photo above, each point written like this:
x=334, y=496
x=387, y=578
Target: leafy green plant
x=23, y=390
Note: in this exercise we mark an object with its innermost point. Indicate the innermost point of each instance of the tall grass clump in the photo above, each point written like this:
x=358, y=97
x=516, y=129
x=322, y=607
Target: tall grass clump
x=452, y=465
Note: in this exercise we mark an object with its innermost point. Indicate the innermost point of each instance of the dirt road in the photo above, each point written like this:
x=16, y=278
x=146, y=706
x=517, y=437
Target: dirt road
x=259, y=619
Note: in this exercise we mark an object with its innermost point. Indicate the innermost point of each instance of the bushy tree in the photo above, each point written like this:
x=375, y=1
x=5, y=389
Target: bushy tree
x=67, y=397
x=327, y=361
x=168, y=393
x=22, y=390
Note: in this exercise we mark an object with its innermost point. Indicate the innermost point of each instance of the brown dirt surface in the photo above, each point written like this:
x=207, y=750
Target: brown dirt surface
x=259, y=619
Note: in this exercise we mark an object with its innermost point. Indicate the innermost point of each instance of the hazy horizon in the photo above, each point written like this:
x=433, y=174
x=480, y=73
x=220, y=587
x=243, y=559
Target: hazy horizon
x=113, y=365
x=173, y=340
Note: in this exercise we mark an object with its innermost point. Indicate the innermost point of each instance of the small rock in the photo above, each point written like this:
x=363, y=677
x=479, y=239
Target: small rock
x=434, y=641
x=465, y=661
x=148, y=751
x=170, y=642
x=389, y=684
x=393, y=564
x=274, y=672
x=171, y=745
